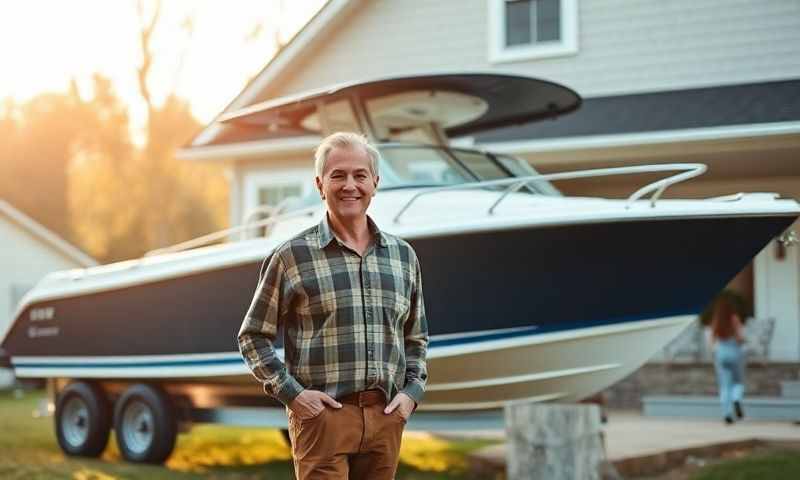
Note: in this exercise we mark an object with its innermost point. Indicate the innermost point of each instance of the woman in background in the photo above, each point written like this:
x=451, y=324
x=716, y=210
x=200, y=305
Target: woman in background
x=727, y=339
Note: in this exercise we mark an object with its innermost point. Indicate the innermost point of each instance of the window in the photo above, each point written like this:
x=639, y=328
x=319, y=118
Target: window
x=404, y=166
x=294, y=187
x=274, y=194
x=420, y=166
x=481, y=165
x=530, y=29
x=521, y=168
x=274, y=186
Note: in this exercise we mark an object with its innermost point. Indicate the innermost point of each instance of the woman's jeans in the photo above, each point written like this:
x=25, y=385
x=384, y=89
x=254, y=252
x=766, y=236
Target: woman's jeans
x=729, y=363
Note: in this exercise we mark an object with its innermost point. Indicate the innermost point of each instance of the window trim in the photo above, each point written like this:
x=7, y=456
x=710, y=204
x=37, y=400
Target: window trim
x=254, y=181
x=499, y=52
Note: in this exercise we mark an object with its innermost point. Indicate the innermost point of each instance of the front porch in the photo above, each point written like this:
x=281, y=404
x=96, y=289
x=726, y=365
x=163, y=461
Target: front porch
x=696, y=381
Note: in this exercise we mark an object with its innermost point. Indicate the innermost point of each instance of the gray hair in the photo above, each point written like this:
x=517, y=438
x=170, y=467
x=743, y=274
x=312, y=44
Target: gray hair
x=345, y=140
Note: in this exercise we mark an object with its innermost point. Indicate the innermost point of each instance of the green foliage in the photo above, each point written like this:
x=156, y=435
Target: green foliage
x=71, y=164
x=36, y=139
x=781, y=465
x=739, y=303
x=123, y=209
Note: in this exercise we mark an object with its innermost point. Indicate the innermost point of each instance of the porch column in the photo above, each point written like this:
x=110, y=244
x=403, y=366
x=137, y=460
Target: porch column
x=777, y=295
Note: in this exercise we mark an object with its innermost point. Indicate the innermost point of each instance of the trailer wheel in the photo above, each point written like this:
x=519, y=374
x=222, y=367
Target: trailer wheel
x=82, y=420
x=145, y=424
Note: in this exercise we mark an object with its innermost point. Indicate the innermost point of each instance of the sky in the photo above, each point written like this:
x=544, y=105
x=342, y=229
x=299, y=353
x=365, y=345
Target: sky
x=44, y=43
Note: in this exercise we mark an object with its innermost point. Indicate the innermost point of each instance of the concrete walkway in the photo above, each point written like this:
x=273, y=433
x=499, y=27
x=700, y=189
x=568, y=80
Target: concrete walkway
x=629, y=434
x=634, y=441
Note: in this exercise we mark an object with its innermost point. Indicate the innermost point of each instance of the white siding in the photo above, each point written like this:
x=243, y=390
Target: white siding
x=624, y=46
x=778, y=296
x=236, y=207
x=24, y=260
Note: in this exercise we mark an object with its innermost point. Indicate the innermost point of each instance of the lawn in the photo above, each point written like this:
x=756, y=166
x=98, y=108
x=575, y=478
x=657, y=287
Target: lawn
x=772, y=465
x=28, y=450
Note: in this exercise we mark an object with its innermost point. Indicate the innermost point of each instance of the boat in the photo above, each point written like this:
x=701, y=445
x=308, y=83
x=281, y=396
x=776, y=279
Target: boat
x=530, y=295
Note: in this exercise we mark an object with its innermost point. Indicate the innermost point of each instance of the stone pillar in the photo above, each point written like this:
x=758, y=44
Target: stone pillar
x=554, y=441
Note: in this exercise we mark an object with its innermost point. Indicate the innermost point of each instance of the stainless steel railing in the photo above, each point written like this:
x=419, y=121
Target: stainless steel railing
x=275, y=214
x=273, y=217
x=689, y=170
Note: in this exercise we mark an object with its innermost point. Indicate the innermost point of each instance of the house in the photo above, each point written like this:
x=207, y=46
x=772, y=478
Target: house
x=711, y=81
x=30, y=251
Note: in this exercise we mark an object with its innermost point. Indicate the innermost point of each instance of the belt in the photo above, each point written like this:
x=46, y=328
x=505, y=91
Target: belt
x=364, y=399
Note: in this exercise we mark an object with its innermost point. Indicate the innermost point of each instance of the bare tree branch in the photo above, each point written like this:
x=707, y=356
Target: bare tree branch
x=188, y=28
x=145, y=38
x=279, y=43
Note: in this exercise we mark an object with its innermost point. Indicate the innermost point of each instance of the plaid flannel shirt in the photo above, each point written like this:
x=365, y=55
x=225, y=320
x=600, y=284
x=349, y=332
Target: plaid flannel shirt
x=350, y=323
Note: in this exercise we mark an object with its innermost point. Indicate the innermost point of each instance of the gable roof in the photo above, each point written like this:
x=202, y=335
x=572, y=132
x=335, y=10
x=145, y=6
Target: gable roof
x=46, y=236
x=328, y=16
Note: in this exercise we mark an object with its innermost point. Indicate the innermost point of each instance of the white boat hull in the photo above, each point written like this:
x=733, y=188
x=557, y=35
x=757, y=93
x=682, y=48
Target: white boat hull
x=566, y=366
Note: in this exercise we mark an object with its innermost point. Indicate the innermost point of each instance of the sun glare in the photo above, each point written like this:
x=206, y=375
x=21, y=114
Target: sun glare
x=44, y=44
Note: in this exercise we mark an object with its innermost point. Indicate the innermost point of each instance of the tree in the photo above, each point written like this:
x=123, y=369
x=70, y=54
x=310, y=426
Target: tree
x=176, y=189
x=70, y=163
x=122, y=209
x=101, y=180
x=126, y=201
x=37, y=139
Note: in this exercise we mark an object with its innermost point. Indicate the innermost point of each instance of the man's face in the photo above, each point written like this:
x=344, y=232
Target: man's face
x=347, y=184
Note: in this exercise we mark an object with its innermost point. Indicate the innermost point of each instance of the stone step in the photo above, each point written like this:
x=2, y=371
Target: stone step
x=755, y=408
x=790, y=389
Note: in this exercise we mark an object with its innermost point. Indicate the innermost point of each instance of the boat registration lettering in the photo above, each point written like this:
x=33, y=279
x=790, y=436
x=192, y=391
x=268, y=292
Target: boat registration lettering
x=38, y=332
x=41, y=314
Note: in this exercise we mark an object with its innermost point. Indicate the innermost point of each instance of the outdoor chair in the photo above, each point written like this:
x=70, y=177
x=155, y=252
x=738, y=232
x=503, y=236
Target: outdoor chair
x=689, y=346
x=758, y=336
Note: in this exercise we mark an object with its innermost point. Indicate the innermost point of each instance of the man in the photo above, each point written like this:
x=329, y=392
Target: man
x=349, y=299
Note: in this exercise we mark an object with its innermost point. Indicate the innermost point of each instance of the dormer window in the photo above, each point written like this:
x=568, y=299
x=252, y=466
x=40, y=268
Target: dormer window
x=531, y=29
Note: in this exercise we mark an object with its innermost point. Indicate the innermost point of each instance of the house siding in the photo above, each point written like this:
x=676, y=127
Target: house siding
x=777, y=282
x=23, y=266
x=624, y=47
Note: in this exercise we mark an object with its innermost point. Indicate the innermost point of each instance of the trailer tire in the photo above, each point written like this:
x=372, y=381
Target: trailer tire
x=145, y=424
x=82, y=419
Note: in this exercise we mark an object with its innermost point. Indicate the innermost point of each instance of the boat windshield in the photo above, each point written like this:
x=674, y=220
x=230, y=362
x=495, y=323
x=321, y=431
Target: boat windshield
x=426, y=166
x=430, y=166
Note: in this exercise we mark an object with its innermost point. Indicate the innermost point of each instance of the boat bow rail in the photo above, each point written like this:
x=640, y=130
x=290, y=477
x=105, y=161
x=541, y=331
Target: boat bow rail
x=657, y=188
x=274, y=215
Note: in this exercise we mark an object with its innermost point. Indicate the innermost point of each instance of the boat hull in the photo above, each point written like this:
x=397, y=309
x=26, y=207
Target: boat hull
x=560, y=305
x=566, y=366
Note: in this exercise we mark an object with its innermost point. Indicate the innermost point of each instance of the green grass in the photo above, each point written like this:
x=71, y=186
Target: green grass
x=775, y=465
x=28, y=450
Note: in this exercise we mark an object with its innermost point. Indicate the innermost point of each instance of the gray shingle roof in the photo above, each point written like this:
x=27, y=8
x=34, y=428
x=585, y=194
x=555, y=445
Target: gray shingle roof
x=670, y=110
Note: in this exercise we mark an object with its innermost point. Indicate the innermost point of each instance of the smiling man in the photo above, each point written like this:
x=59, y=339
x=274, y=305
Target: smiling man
x=349, y=299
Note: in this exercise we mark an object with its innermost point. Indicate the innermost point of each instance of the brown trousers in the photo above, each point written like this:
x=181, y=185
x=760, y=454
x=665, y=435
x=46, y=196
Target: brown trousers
x=351, y=442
